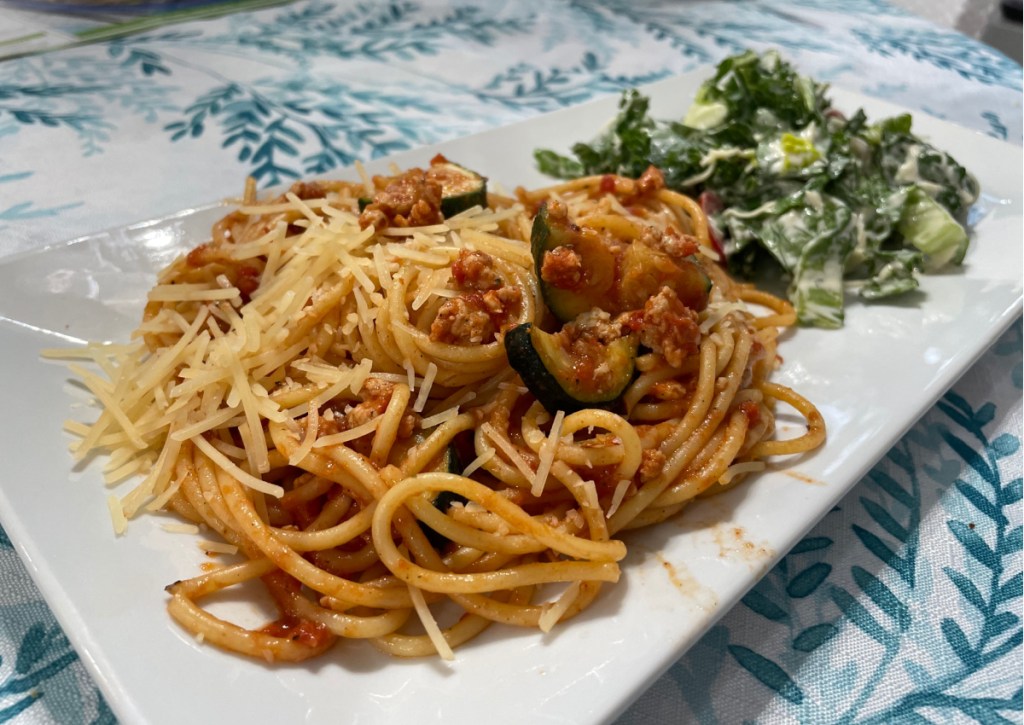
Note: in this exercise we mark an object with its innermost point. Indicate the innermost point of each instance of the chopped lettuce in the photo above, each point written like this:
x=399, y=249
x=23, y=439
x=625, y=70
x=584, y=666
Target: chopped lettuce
x=930, y=227
x=827, y=199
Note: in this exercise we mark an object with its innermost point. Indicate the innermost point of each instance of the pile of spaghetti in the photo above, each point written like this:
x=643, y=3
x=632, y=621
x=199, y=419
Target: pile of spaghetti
x=325, y=387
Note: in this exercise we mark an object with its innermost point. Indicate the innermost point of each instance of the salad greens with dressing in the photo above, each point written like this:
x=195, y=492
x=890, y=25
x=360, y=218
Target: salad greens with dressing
x=787, y=180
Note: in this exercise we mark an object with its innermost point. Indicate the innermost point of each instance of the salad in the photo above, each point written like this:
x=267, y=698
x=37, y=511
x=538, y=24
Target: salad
x=787, y=180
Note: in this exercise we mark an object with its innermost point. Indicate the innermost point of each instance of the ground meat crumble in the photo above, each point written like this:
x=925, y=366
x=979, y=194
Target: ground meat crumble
x=375, y=396
x=666, y=326
x=562, y=267
x=485, y=309
x=408, y=200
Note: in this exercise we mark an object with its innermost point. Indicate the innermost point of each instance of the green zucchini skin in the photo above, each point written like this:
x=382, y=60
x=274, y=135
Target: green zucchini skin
x=611, y=283
x=548, y=371
x=545, y=236
x=450, y=463
x=461, y=188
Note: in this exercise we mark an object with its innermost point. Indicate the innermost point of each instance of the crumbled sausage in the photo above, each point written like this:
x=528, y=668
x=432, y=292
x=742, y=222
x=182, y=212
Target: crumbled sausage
x=562, y=267
x=408, y=200
x=671, y=242
x=247, y=281
x=502, y=303
x=308, y=190
x=474, y=270
x=652, y=461
x=486, y=307
x=462, y=321
x=629, y=190
x=241, y=274
x=651, y=181
x=584, y=338
x=375, y=396
x=669, y=327
x=593, y=326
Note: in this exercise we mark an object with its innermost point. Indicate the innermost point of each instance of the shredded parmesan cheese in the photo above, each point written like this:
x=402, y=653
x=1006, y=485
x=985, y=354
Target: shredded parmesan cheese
x=218, y=547
x=424, y=394
x=553, y=611
x=181, y=528
x=246, y=479
x=547, y=455
x=438, y=418
x=478, y=462
x=117, y=516
x=508, y=450
x=430, y=625
x=620, y=493
x=312, y=425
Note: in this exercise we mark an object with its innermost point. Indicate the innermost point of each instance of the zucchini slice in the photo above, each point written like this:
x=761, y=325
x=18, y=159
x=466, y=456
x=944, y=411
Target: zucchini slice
x=589, y=376
x=593, y=274
x=597, y=261
x=644, y=271
x=461, y=188
x=449, y=462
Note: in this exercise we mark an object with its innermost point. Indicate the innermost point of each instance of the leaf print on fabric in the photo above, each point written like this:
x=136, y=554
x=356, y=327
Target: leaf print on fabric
x=390, y=32
x=663, y=25
x=690, y=33
x=814, y=636
x=695, y=673
x=525, y=85
x=997, y=127
x=987, y=628
x=42, y=653
x=147, y=61
x=8, y=713
x=947, y=50
x=78, y=93
x=868, y=610
x=23, y=210
x=105, y=716
x=53, y=106
x=768, y=673
x=285, y=129
x=759, y=603
x=807, y=581
x=869, y=8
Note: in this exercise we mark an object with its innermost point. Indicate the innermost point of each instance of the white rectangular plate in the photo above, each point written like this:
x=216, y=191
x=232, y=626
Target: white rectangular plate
x=871, y=380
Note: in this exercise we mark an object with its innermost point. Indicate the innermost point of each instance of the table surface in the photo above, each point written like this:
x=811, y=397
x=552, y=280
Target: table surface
x=883, y=613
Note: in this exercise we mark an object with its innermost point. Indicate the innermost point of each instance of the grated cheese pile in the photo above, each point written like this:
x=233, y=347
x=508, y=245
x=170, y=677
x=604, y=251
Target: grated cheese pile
x=222, y=364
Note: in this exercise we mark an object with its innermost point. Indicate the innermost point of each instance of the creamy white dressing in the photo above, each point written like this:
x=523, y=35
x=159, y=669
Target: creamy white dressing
x=826, y=278
x=814, y=200
x=860, y=247
x=711, y=159
x=715, y=155
x=777, y=160
x=909, y=172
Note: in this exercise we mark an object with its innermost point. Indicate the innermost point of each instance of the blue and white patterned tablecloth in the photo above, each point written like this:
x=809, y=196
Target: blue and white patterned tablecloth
x=902, y=605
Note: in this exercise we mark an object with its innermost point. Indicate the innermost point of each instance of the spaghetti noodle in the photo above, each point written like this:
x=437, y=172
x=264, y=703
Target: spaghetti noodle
x=327, y=389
